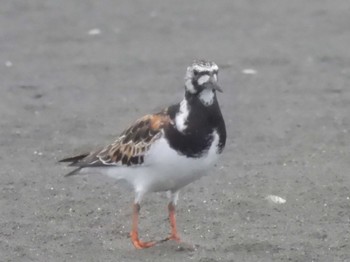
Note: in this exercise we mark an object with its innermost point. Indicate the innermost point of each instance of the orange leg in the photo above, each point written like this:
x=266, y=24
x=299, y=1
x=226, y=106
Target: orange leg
x=172, y=220
x=134, y=232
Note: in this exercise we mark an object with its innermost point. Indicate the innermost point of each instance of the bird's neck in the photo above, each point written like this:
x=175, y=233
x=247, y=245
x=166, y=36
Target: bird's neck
x=194, y=125
x=197, y=110
x=205, y=100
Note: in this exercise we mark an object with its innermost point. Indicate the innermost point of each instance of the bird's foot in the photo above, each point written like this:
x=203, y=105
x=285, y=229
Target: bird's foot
x=140, y=244
x=172, y=237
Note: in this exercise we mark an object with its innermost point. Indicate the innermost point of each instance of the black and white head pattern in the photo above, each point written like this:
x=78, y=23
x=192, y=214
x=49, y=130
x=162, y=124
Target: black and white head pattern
x=201, y=79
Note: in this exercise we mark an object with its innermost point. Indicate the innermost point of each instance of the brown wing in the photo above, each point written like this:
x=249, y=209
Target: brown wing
x=130, y=147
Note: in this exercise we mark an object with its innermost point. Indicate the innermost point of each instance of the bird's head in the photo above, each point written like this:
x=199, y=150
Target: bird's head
x=202, y=80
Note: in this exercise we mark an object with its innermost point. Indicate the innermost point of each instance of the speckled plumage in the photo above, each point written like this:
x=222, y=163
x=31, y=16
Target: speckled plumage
x=167, y=150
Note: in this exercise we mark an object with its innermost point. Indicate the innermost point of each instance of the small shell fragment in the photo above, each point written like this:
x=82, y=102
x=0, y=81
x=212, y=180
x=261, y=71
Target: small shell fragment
x=249, y=71
x=276, y=199
x=94, y=31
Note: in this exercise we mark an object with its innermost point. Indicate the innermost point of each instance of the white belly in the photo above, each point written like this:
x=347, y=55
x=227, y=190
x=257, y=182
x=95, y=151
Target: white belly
x=164, y=169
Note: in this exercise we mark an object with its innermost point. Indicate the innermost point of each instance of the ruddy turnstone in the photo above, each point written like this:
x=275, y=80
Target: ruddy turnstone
x=167, y=150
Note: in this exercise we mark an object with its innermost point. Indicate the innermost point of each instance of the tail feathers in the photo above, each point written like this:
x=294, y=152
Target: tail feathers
x=74, y=158
x=74, y=172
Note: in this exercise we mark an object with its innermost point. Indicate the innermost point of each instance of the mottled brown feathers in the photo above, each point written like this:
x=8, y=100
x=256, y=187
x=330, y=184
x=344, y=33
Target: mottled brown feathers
x=130, y=147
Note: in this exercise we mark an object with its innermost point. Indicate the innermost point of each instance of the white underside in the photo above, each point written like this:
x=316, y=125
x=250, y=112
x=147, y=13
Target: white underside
x=164, y=169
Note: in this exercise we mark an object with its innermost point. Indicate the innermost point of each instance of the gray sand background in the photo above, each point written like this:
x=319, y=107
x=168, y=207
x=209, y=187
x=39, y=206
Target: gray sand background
x=64, y=90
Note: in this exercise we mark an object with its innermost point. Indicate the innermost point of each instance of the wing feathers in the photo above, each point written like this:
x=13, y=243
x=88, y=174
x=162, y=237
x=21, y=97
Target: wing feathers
x=129, y=148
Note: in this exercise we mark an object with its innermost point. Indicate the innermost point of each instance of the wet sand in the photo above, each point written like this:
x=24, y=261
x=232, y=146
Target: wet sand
x=76, y=73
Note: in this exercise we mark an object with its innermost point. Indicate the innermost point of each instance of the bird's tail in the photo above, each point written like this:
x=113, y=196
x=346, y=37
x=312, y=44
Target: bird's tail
x=74, y=172
x=73, y=160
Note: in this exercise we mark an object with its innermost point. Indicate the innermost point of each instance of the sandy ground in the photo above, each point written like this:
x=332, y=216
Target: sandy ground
x=64, y=90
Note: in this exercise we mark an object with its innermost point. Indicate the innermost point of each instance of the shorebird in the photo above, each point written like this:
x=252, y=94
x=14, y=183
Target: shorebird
x=167, y=150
